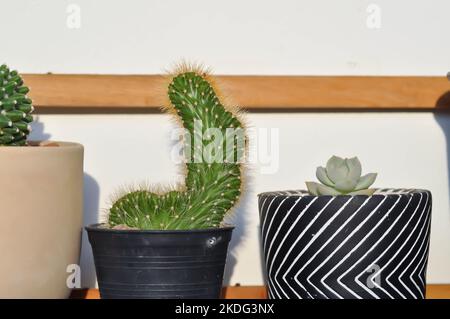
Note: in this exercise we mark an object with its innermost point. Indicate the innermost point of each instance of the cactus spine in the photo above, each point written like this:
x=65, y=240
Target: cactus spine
x=212, y=187
x=15, y=109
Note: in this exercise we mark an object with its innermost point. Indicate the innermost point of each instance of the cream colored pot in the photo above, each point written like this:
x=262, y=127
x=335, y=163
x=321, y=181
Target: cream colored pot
x=41, y=213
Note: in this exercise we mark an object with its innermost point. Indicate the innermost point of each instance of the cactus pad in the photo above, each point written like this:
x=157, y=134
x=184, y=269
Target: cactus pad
x=213, y=179
x=15, y=109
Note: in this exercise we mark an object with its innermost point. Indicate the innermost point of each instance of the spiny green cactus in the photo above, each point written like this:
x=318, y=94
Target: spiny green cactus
x=342, y=177
x=212, y=187
x=15, y=109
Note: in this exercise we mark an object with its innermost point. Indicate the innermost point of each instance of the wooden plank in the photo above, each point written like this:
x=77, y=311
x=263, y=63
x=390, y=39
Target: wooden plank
x=260, y=292
x=238, y=292
x=245, y=292
x=252, y=92
x=85, y=294
x=438, y=291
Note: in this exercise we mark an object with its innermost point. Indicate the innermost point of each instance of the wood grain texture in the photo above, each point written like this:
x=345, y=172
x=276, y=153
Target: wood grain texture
x=438, y=291
x=260, y=292
x=245, y=292
x=251, y=92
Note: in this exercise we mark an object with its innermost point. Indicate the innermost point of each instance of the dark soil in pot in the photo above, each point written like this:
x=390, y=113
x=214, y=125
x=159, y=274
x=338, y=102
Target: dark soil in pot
x=363, y=247
x=178, y=264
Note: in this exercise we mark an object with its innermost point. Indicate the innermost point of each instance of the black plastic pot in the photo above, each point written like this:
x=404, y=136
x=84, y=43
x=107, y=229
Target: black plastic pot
x=365, y=247
x=159, y=264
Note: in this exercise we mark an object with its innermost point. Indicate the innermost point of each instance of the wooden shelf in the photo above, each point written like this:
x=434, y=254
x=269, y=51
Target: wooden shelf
x=265, y=93
x=259, y=292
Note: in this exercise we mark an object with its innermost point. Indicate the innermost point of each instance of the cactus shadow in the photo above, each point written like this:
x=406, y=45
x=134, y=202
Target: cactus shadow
x=90, y=216
x=442, y=117
x=38, y=131
x=262, y=261
x=240, y=223
x=240, y=220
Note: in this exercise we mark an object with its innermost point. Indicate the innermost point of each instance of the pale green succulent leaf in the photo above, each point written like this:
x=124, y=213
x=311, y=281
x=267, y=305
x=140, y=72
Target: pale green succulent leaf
x=342, y=177
x=317, y=189
x=312, y=188
x=322, y=176
x=354, y=168
x=368, y=192
x=346, y=185
x=337, y=169
x=365, y=181
x=327, y=190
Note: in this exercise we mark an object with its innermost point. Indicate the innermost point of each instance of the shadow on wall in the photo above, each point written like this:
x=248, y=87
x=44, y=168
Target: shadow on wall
x=38, y=132
x=442, y=117
x=90, y=211
x=240, y=219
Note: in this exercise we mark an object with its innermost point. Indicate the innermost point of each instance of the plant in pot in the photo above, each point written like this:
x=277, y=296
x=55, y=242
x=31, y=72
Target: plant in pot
x=342, y=239
x=172, y=243
x=42, y=201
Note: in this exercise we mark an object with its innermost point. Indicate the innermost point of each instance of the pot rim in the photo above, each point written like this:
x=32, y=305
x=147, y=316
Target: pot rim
x=385, y=192
x=96, y=228
x=43, y=145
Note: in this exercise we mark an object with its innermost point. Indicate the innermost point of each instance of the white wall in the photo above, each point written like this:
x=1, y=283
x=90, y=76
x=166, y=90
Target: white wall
x=407, y=150
x=245, y=37
x=233, y=36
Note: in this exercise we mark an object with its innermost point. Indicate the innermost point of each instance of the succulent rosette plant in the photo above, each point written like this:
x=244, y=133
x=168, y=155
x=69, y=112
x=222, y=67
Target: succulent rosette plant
x=342, y=176
x=327, y=239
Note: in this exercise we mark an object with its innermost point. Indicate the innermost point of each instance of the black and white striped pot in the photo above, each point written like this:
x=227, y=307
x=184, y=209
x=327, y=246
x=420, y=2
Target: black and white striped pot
x=346, y=246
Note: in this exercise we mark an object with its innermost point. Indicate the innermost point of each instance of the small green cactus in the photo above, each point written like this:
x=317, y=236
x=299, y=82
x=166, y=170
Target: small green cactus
x=15, y=109
x=342, y=177
x=212, y=187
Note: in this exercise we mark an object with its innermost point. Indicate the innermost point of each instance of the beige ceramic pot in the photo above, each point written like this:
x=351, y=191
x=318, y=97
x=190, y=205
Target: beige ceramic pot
x=41, y=212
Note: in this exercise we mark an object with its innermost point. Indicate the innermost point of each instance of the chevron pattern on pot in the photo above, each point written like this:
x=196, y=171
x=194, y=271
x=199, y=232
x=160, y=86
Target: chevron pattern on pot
x=363, y=247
